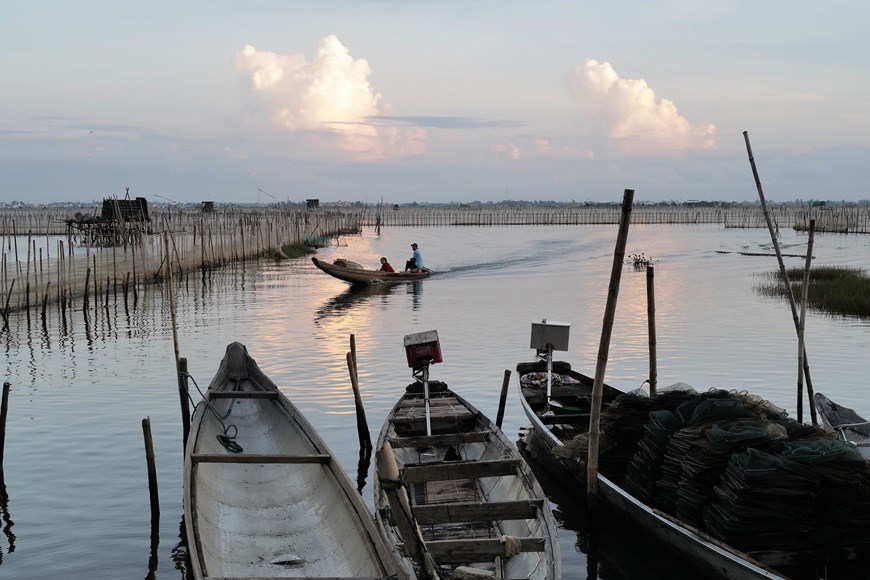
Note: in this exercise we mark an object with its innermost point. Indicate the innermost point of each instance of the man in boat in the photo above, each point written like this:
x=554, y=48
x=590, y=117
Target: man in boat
x=415, y=264
x=385, y=266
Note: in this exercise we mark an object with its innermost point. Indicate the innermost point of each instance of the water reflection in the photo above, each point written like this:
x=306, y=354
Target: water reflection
x=357, y=296
x=354, y=296
x=362, y=468
x=6, y=518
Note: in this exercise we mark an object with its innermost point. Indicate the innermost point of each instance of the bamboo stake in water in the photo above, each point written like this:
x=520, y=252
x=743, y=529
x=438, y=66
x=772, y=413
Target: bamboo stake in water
x=651, y=323
x=505, y=383
x=604, y=346
x=365, y=438
x=152, y=470
x=4, y=408
x=782, y=270
x=170, y=290
x=804, y=294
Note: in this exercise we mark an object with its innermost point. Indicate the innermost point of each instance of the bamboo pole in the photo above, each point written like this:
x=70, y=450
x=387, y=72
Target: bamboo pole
x=604, y=346
x=651, y=324
x=362, y=427
x=170, y=290
x=152, y=470
x=782, y=270
x=4, y=409
x=805, y=287
x=505, y=383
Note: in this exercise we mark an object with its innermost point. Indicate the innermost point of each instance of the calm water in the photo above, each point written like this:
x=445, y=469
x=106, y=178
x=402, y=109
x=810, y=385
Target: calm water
x=75, y=472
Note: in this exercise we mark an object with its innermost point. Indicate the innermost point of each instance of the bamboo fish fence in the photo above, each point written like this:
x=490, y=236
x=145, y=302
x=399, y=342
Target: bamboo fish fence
x=46, y=261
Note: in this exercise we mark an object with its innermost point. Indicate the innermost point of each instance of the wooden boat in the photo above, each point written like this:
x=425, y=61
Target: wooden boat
x=356, y=274
x=567, y=414
x=263, y=495
x=852, y=427
x=476, y=501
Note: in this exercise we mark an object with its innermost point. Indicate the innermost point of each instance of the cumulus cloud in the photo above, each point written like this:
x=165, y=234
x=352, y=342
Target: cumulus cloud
x=628, y=112
x=331, y=95
x=507, y=150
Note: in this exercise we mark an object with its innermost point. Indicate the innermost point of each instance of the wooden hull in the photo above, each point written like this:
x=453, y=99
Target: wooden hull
x=852, y=427
x=722, y=561
x=362, y=276
x=281, y=507
x=469, y=487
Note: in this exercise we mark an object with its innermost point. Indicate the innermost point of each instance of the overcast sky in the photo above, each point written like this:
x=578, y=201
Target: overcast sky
x=450, y=101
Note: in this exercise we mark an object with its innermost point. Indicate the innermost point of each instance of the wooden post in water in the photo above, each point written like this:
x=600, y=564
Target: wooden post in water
x=362, y=426
x=505, y=383
x=184, y=399
x=180, y=372
x=651, y=323
x=152, y=470
x=782, y=270
x=4, y=409
x=604, y=347
x=805, y=288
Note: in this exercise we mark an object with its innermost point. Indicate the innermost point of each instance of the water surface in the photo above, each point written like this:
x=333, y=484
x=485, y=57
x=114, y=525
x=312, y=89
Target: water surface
x=75, y=474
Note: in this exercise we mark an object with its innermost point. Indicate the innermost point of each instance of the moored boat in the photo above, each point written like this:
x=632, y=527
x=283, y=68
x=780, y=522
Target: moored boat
x=263, y=495
x=470, y=503
x=354, y=273
x=849, y=425
x=724, y=478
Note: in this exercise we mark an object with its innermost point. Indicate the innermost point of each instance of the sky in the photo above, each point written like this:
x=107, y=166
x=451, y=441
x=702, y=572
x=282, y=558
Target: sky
x=397, y=101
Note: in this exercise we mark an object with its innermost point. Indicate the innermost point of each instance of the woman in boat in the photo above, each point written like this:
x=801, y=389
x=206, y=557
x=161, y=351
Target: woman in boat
x=415, y=264
x=385, y=266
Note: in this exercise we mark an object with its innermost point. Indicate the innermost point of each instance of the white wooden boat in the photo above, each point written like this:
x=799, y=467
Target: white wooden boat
x=475, y=499
x=852, y=427
x=355, y=274
x=263, y=495
x=567, y=414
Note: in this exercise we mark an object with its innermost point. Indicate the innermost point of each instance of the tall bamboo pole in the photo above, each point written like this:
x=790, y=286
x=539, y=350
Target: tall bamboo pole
x=180, y=375
x=604, y=346
x=651, y=323
x=805, y=287
x=782, y=270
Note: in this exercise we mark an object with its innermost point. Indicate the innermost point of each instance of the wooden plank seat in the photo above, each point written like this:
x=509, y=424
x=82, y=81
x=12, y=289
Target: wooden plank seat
x=245, y=395
x=427, y=441
x=480, y=547
x=447, y=513
x=258, y=458
x=444, y=470
x=297, y=577
x=565, y=418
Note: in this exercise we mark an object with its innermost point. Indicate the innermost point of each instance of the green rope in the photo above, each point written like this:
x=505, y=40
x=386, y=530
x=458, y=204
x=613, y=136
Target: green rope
x=224, y=439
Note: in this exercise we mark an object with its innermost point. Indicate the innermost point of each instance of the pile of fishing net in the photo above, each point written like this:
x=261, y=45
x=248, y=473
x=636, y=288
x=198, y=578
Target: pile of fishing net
x=739, y=468
x=810, y=495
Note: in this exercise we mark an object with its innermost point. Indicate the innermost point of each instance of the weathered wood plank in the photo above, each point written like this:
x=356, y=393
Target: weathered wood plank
x=425, y=441
x=477, y=511
x=565, y=418
x=445, y=470
x=245, y=395
x=480, y=547
x=255, y=458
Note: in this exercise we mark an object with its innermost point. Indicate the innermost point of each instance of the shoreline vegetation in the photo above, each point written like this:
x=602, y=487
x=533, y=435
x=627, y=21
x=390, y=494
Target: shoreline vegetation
x=72, y=257
x=834, y=290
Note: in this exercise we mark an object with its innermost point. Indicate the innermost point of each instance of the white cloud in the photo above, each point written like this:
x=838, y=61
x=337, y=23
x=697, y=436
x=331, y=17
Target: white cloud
x=628, y=112
x=331, y=94
x=508, y=150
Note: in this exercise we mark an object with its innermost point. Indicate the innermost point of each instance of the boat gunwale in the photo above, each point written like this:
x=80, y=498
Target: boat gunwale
x=376, y=545
x=651, y=519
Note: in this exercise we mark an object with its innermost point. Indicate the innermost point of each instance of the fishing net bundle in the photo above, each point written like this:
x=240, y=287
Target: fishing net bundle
x=810, y=496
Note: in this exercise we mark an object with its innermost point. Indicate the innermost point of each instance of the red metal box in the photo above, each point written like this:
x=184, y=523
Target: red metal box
x=422, y=348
